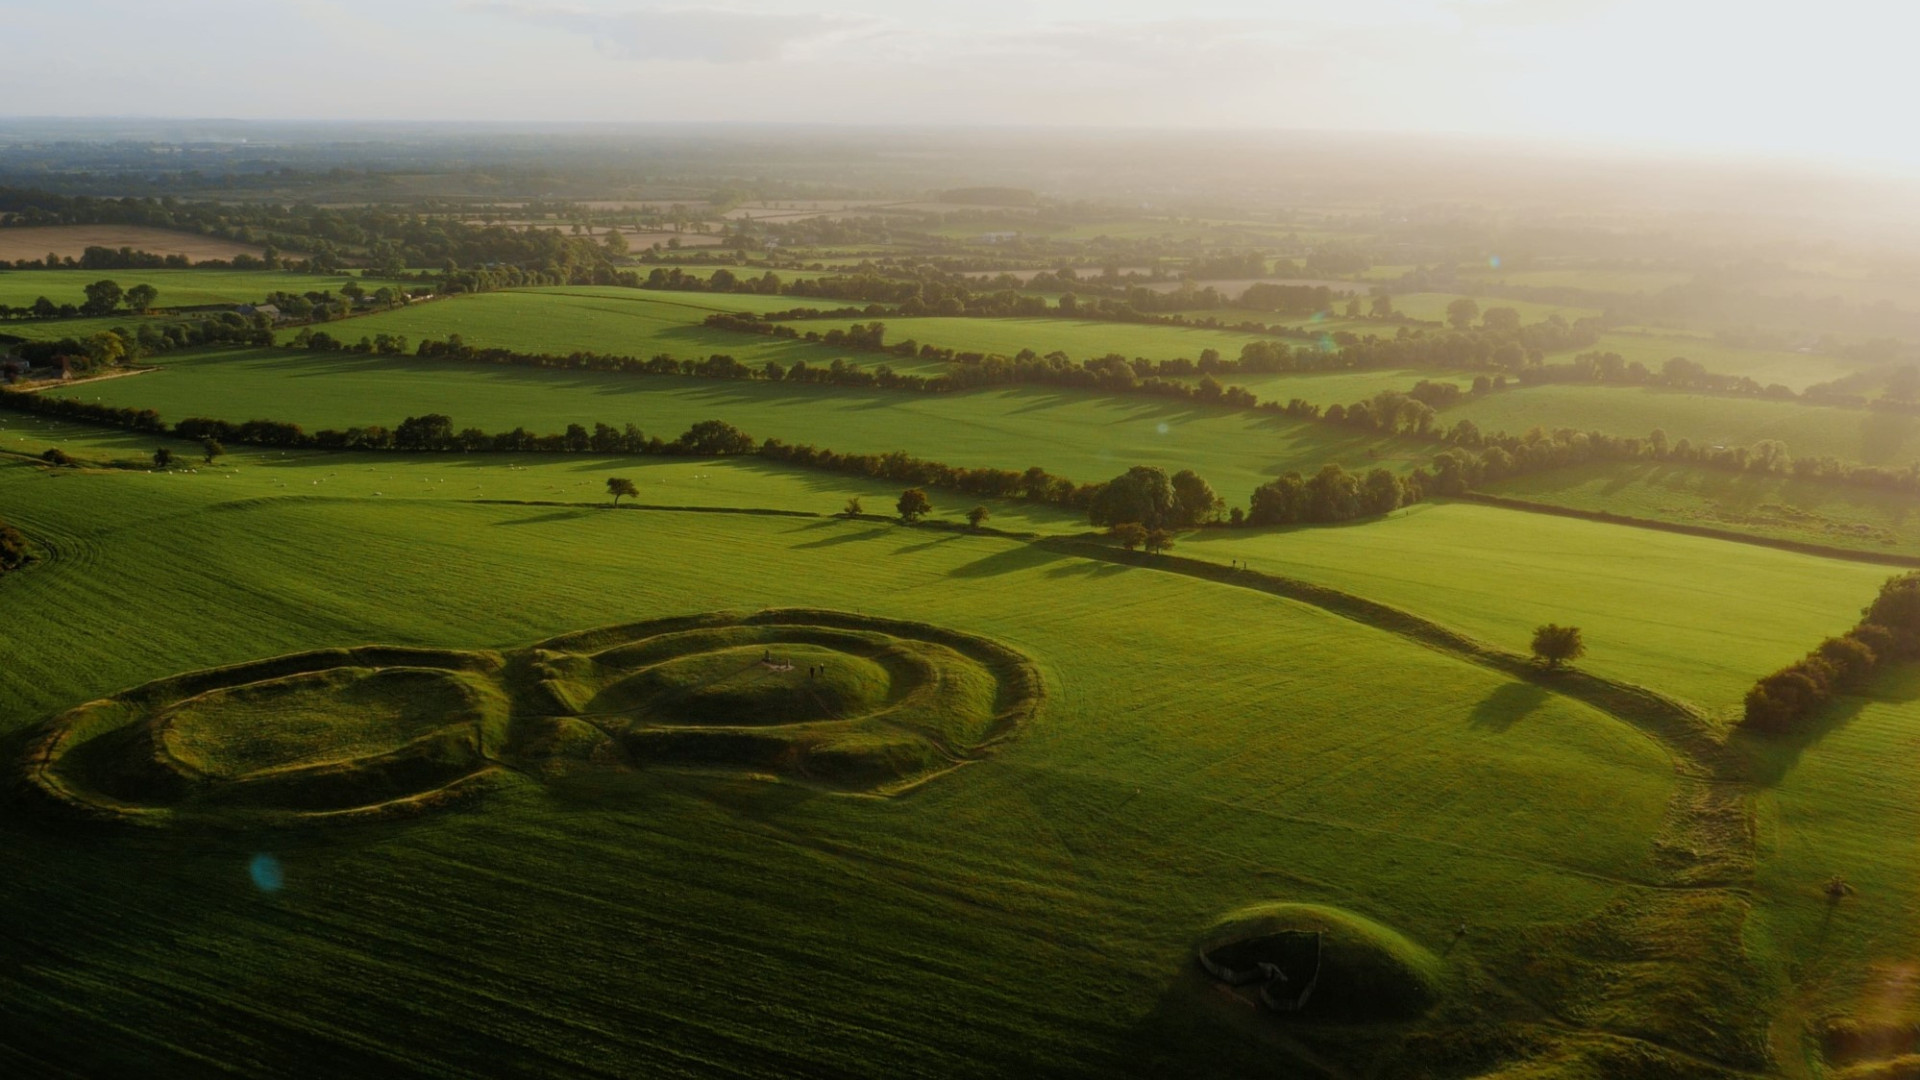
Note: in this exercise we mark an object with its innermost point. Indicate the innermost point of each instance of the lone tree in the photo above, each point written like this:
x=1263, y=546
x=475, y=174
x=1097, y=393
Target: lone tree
x=141, y=297
x=1461, y=313
x=1131, y=534
x=162, y=458
x=852, y=509
x=618, y=486
x=1558, y=645
x=977, y=515
x=913, y=504
x=1158, y=540
x=102, y=298
x=210, y=447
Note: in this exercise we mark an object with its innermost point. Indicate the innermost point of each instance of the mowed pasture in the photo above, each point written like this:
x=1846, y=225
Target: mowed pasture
x=1863, y=436
x=573, y=479
x=563, y=930
x=1838, y=515
x=1790, y=368
x=1080, y=339
x=1085, y=436
x=178, y=288
x=1695, y=618
x=609, y=320
x=71, y=241
x=1838, y=802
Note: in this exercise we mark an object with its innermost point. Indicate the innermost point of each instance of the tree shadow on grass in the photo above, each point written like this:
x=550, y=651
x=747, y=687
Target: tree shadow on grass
x=1772, y=757
x=543, y=519
x=1507, y=705
x=1024, y=557
x=925, y=544
x=1088, y=568
x=844, y=538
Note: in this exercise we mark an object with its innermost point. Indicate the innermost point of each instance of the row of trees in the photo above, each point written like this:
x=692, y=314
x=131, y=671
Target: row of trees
x=102, y=298
x=1888, y=632
x=1333, y=495
x=386, y=238
x=1146, y=496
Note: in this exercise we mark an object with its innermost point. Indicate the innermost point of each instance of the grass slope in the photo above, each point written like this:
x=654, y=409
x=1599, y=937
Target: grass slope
x=1841, y=515
x=1696, y=618
x=1840, y=802
x=1859, y=435
x=717, y=927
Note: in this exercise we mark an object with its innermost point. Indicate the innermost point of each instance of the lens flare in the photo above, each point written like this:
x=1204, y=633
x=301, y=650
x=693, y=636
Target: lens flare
x=266, y=873
x=1494, y=262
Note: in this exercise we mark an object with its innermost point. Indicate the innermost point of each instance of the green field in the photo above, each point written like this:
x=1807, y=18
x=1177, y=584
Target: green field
x=727, y=483
x=1079, y=339
x=1843, y=807
x=1854, y=435
x=1794, y=370
x=1683, y=615
x=178, y=288
x=439, y=765
x=1084, y=436
x=1432, y=307
x=616, y=321
x=1838, y=515
x=1087, y=852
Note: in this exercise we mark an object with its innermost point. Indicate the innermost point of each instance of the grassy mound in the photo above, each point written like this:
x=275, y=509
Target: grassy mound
x=1365, y=972
x=752, y=685
x=840, y=700
x=327, y=732
x=309, y=719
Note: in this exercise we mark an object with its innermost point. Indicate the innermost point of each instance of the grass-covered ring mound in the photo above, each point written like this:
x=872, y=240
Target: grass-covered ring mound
x=1321, y=963
x=847, y=701
x=841, y=700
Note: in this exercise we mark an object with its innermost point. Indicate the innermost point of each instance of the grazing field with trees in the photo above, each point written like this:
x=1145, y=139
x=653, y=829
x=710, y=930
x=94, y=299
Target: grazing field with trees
x=509, y=574
x=1069, y=433
x=737, y=604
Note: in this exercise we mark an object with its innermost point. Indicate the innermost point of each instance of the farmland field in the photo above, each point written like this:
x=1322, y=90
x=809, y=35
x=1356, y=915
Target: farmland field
x=1090, y=849
x=621, y=322
x=178, y=288
x=1836, y=804
x=70, y=241
x=1079, y=339
x=1858, y=435
x=577, y=479
x=1071, y=433
x=1499, y=573
x=1794, y=370
x=1778, y=507
x=1441, y=760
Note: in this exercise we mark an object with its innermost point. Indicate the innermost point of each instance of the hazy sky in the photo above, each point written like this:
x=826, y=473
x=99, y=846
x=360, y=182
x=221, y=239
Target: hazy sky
x=1829, y=80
